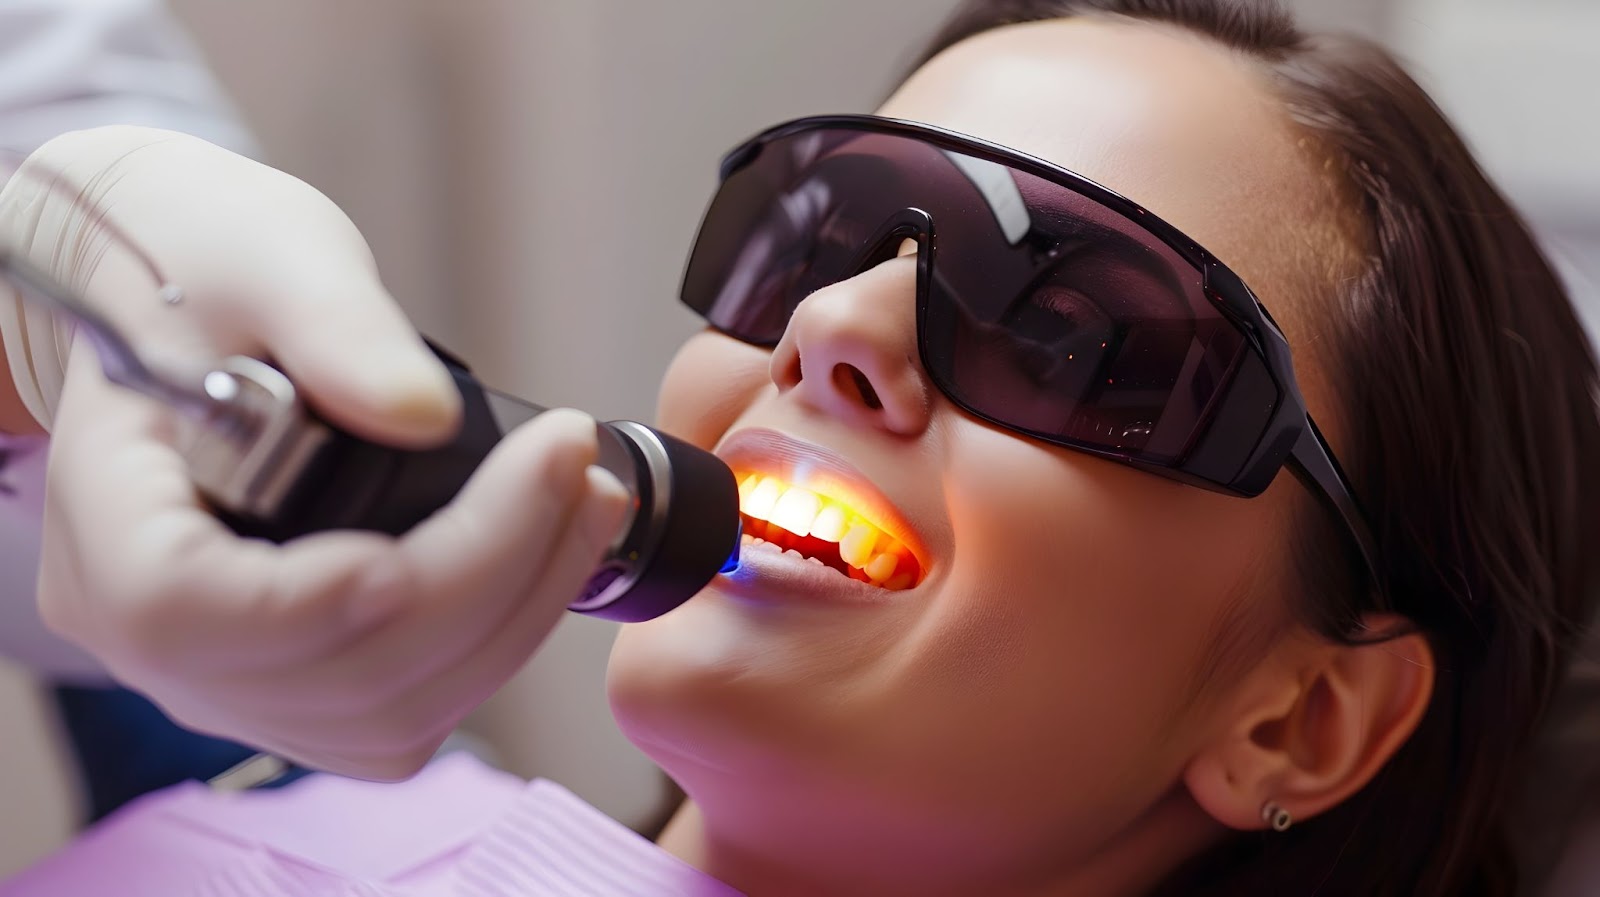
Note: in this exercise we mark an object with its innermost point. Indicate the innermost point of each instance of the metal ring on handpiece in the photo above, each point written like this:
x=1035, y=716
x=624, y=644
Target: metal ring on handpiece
x=634, y=560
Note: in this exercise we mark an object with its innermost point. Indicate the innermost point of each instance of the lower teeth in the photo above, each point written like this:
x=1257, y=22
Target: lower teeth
x=753, y=542
x=756, y=542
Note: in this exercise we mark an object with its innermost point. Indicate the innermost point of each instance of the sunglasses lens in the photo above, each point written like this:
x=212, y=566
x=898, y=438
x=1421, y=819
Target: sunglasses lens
x=1087, y=331
x=1045, y=311
x=791, y=222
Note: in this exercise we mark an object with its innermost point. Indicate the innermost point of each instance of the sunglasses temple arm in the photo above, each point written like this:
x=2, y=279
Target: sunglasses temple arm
x=1313, y=464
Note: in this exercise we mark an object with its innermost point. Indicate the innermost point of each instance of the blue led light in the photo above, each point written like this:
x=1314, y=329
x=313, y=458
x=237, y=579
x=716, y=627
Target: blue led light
x=732, y=562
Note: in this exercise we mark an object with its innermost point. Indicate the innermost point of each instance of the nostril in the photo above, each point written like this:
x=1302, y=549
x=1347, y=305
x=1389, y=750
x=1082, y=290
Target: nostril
x=851, y=381
x=785, y=368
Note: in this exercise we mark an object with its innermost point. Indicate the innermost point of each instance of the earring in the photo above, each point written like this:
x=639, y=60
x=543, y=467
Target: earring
x=1276, y=817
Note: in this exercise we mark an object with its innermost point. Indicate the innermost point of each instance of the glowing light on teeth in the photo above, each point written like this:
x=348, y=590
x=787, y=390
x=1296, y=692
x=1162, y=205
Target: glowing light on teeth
x=831, y=524
x=762, y=499
x=856, y=546
x=796, y=510
x=796, y=521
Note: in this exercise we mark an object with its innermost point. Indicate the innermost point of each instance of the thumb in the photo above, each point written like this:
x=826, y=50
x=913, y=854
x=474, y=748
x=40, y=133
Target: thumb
x=272, y=264
x=338, y=332
x=333, y=326
x=281, y=258
x=363, y=367
x=372, y=376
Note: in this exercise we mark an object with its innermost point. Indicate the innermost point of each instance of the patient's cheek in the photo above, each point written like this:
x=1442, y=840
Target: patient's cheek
x=711, y=381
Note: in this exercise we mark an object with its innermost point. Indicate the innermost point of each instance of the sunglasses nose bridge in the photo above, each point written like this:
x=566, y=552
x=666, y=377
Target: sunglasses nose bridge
x=850, y=351
x=846, y=347
x=907, y=224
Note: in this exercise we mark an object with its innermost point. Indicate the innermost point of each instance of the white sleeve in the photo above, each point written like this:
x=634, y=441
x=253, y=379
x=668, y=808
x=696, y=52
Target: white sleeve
x=71, y=64
x=67, y=65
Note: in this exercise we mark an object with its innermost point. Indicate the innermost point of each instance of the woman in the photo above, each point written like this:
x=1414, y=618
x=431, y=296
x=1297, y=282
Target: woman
x=1082, y=633
x=1109, y=682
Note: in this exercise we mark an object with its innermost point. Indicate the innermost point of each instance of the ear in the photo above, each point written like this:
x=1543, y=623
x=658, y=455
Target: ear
x=1312, y=726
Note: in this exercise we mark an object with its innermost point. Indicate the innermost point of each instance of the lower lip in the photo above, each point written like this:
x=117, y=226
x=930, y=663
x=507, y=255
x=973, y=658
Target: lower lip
x=767, y=576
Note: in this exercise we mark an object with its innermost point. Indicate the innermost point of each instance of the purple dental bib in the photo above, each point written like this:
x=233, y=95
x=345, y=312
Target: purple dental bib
x=459, y=829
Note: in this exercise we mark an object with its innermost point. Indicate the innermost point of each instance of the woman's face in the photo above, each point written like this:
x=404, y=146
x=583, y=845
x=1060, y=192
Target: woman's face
x=1035, y=688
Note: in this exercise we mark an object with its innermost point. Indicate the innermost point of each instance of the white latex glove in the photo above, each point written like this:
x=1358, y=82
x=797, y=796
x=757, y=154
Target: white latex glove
x=349, y=652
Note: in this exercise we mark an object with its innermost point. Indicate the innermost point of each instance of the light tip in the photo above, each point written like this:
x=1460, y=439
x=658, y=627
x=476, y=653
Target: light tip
x=732, y=563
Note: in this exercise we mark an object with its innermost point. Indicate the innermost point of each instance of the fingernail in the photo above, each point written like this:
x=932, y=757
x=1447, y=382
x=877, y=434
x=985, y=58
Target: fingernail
x=569, y=421
x=412, y=387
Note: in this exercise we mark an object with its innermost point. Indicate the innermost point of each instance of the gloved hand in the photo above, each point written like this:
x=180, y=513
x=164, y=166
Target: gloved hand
x=349, y=652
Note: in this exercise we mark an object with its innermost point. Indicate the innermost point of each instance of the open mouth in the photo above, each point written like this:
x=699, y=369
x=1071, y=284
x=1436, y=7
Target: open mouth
x=825, y=530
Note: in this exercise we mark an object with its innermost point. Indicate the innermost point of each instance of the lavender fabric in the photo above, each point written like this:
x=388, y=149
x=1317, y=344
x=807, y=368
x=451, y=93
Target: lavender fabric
x=459, y=829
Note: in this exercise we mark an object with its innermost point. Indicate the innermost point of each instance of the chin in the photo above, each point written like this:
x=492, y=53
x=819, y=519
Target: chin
x=681, y=686
x=715, y=686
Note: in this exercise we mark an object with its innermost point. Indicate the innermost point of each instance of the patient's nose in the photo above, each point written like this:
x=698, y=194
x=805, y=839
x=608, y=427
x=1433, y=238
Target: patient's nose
x=850, y=350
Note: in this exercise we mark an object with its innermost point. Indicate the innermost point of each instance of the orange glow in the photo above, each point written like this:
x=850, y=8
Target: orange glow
x=826, y=526
x=771, y=499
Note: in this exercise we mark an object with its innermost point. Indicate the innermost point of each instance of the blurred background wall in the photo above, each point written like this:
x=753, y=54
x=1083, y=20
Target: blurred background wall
x=530, y=174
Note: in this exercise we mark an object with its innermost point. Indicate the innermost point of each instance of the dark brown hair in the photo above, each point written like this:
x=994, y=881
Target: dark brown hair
x=1469, y=392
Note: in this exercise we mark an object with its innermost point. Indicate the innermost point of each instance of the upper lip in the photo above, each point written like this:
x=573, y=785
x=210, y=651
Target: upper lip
x=799, y=463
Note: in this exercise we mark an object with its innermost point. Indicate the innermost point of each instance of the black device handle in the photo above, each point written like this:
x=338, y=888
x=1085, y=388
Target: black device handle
x=682, y=530
x=351, y=483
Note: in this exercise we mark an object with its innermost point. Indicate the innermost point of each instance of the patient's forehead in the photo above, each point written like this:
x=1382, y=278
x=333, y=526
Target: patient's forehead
x=1170, y=119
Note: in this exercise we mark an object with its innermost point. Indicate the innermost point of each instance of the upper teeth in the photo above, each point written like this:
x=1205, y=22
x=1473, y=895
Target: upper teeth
x=857, y=544
x=831, y=524
x=797, y=511
x=758, y=499
x=879, y=556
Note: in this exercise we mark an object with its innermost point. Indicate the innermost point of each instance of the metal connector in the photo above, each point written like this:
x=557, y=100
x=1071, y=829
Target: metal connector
x=248, y=453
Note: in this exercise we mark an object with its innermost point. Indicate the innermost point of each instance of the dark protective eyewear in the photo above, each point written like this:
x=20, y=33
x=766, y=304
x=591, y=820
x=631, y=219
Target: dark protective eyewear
x=1046, y=303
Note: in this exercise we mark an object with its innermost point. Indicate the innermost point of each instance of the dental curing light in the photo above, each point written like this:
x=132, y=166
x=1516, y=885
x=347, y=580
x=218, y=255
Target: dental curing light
x=278, y=471
x=272, y=468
